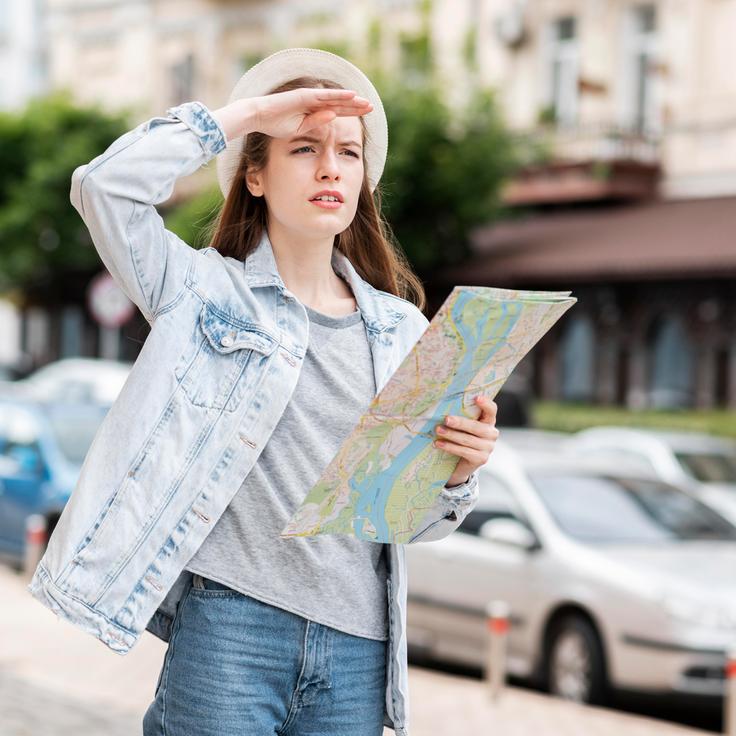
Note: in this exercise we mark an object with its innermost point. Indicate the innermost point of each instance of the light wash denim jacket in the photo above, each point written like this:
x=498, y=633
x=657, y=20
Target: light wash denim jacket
x=222, y=358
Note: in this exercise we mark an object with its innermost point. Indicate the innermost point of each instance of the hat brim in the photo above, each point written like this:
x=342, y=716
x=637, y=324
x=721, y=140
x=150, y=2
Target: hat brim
x=286, y=64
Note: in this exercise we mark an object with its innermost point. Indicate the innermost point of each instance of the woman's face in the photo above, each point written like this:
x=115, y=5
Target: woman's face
x=298, y=169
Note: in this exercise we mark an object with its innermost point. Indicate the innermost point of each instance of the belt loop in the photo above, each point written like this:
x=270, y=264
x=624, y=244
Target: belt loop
x=197, y=581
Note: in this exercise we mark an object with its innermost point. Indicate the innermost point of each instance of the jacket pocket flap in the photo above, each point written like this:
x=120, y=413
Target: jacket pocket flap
x=226, y=335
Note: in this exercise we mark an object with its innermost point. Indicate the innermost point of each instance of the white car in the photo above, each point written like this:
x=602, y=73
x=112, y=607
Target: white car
x=612, y=581
x=704, y=464
x=88, y=380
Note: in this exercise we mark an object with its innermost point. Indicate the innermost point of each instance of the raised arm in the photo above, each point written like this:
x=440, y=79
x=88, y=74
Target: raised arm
x=115, y=194
x=117, y=191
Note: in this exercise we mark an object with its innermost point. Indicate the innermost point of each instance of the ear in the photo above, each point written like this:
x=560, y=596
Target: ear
x=254, y=184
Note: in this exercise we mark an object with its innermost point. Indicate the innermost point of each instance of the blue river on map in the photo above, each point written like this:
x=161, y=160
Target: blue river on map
x=374, y=491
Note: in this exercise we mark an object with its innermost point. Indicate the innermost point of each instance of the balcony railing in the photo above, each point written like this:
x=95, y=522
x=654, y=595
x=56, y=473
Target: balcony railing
x=585, y=164
x=597, y=142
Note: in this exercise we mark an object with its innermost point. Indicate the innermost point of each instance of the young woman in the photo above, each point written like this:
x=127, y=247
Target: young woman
x=265, y=349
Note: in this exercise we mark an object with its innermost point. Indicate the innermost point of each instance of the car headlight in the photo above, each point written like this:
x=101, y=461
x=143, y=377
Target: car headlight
x=712, y=616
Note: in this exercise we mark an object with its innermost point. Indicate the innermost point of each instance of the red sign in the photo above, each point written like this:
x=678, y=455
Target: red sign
x=107, y=302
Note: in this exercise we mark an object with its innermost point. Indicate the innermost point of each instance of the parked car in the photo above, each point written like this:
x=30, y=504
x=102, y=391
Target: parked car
x=613, y=580
x=534, y=440
x=699, y=462
x=94, y=380
x=42, y=447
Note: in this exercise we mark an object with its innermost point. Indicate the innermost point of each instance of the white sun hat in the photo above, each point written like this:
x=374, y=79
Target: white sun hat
x=286, y=64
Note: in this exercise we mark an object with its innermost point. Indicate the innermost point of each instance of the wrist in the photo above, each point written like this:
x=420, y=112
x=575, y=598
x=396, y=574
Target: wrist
x=457, y=481
x=238, y=118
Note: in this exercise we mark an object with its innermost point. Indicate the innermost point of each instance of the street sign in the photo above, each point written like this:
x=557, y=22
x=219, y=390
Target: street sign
x=108, y=304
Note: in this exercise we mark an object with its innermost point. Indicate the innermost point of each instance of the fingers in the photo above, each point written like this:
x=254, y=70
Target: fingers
x=315, y=119
x=487, y=417
x=341, y=110
x=462, y=438
x=477, y=436
x=347, y=99
x=488, y=409
x=475, y=457
x=330, y=94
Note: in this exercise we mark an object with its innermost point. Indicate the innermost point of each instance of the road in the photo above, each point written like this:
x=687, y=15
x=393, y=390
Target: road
x=59, y=681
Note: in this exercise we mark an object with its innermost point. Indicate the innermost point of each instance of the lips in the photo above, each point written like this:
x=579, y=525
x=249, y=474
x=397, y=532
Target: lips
x=328, y=193
x=326, y=205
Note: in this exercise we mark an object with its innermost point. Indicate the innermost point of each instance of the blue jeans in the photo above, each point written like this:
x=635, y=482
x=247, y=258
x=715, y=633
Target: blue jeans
x=238, y=666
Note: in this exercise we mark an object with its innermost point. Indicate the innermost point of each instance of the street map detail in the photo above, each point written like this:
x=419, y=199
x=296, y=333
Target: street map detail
x=387, y=474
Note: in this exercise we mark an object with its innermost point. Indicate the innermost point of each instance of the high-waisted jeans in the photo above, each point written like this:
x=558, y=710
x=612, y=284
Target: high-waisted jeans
x=236, y=666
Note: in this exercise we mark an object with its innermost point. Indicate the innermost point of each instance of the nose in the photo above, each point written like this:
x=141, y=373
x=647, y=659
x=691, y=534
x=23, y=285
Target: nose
x=329, y=165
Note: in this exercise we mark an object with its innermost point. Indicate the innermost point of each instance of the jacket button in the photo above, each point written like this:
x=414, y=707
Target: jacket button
x=227, y=341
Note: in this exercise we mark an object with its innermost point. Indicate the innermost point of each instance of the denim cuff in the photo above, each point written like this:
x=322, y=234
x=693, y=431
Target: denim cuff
x=460, y=492
x=199, y=119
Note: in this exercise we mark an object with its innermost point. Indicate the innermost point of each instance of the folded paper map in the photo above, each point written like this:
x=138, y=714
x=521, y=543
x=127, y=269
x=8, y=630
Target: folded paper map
x=386, y=476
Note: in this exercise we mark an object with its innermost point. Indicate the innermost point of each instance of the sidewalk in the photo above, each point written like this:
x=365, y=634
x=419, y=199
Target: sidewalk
x=59, y=681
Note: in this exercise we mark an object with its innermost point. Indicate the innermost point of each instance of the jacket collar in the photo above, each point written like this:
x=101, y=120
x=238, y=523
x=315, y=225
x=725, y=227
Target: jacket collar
x=376, y=306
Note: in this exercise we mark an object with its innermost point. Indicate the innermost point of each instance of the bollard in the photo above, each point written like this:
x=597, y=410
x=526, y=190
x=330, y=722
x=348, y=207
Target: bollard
x=35, y=544
x=497, y=622
x=729, y=695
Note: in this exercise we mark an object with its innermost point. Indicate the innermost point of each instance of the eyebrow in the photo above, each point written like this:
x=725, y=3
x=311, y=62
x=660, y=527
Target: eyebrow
x=310, y=139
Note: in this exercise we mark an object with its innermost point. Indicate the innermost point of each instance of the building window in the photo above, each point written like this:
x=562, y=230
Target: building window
x=640, y=43
x=562, y=70
x=577, y=350
x=182, y=80
x=671, y=361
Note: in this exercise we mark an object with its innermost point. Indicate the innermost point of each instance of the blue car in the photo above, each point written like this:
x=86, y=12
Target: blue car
x=42, y=447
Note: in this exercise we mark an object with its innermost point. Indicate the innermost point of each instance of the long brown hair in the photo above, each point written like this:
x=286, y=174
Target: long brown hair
x=367, y=242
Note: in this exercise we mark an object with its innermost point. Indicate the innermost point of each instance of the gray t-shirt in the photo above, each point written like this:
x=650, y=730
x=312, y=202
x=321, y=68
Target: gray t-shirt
x=334, y=579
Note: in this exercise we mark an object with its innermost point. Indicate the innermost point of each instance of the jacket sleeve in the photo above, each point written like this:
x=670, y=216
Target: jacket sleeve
x=452, y=506
x=115, y=194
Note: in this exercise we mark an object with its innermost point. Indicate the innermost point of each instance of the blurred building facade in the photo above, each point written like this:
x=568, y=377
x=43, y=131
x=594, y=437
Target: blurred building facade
x=634, y=100
x=23, y=58
x=634, y=210
x=23, y=74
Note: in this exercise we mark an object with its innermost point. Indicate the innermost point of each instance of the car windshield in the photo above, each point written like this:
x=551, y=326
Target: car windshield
x=74, y=427
x=709, y=467
x=600, y=509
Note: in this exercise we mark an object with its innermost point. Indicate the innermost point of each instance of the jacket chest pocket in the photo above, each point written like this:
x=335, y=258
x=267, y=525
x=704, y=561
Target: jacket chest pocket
x=224, y=360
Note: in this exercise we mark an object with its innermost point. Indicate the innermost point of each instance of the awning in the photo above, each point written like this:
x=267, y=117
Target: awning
x=681, y=239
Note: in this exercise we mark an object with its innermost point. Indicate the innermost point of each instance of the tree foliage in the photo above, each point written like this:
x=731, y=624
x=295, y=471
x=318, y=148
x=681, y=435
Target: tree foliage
x=42, y=237
x=443, y=176
x=444, y=171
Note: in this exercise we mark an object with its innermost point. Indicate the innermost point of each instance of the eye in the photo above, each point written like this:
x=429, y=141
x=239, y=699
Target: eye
x=347, y=150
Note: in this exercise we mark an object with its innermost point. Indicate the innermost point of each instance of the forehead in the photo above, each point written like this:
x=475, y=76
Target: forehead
x=340, y=129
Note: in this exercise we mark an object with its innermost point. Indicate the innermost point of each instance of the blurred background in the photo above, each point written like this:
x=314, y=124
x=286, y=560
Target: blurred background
x=584, y=145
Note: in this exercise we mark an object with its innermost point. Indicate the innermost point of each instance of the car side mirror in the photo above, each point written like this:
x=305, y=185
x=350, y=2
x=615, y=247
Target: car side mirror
x=510, y=532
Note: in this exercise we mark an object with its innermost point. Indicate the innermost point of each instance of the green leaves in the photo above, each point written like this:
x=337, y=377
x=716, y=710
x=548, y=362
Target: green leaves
x=42, y=237
x=444, y=171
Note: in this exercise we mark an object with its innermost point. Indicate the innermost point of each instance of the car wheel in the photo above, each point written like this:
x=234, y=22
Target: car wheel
x=575, y=668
